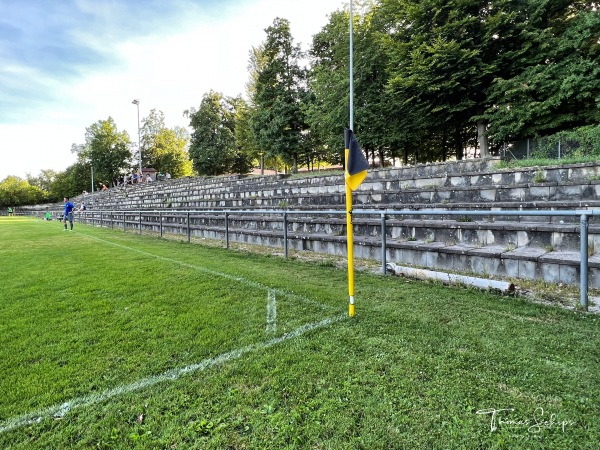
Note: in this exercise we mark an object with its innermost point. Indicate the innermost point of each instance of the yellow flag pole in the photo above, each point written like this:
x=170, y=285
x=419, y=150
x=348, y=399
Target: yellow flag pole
x=349, y=230
x=350, y=243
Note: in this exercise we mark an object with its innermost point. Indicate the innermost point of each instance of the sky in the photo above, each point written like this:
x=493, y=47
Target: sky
x=66, y=64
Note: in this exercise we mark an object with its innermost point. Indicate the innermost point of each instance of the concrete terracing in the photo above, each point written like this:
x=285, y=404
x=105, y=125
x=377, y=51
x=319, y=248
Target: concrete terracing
x=541, y=248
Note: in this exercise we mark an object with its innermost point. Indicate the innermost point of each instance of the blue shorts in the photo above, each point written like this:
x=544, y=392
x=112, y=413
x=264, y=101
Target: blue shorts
x=69, y=217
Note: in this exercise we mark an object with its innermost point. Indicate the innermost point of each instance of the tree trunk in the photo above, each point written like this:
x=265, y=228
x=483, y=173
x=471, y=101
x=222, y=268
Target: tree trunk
x=458, y=144
x=482, y=139
x=444, y=145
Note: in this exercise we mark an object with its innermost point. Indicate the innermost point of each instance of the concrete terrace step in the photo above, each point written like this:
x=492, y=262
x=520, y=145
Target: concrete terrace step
x=544, y=247
x=545, y=192
x=478, y=234
x=558, y=182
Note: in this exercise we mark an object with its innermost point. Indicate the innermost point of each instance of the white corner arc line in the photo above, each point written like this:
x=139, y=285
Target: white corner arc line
x=173, y=374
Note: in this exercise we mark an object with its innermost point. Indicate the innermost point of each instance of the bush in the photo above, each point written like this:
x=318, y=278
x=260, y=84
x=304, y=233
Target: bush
x=580, y=142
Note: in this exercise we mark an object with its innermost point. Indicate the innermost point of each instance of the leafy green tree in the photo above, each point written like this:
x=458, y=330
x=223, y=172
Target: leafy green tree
x=108, y=150
x=375, y=109
x=74, y=180
x=444, y=57
x=246, y=113
x=15, y=191
x=381, y=119
x=43, y=180
x=212, y=145
x=280, y=90
x=245, y=144
x=435, y=62
x=165, y=149
x=151, y=128
x=327, y=111
x=557, y=86
x=503, y=68
x=170, y=154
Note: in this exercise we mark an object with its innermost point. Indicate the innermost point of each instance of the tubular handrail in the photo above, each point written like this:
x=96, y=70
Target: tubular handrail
x=583, y=214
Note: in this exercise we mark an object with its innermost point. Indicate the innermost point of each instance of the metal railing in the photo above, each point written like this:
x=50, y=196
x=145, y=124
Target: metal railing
x=133, y=219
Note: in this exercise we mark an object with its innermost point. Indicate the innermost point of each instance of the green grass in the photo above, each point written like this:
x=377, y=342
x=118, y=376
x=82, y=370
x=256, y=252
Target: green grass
x=102, y=322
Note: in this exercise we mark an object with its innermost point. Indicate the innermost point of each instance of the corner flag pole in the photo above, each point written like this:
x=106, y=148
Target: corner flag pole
x=349, y=238
x=356, y=172
x=351, y=70
x=349, y=230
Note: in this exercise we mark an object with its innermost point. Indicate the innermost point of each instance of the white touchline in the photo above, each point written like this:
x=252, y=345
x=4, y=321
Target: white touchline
x=251, y=283
x=173, y=374
x=271, y=313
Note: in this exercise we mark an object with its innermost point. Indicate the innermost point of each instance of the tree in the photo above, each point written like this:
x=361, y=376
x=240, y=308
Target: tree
x=280, y=90
x=43, y=180
x=74, y=180
x=15, y=191
x=169, y=153
x=164, y=149
x=212, y=145
x=151, y=128
x=557, y=86
x=445, y=56
x=245, y=144
x=327, y=112
x=108, y=150
x=383, y=123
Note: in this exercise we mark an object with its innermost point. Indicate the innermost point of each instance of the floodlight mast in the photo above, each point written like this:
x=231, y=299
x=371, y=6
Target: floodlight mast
x=137, y=103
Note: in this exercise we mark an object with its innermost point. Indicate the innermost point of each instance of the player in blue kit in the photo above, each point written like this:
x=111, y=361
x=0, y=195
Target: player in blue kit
x=68, y=213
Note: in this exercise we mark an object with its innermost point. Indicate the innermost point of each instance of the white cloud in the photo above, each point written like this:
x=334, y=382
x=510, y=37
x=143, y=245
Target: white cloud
x=166, y=72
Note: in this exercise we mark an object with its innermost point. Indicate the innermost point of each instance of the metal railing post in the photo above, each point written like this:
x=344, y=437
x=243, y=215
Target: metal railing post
x=188, y=226
x=124, y=220
x=140, y=222
x=583, y=276
x=383, y=244
x=285, y=235
x=160, y=218
x=226, y=230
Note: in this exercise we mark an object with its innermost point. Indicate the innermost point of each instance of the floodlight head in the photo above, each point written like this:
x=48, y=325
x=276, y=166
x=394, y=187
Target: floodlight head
x=136, y=102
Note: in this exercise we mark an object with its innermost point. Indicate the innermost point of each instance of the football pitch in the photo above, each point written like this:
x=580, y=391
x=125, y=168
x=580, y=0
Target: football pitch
x=114, y=340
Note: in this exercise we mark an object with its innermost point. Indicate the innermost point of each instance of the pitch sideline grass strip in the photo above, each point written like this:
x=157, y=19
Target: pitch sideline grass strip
x=59, y=411
x=245, y=281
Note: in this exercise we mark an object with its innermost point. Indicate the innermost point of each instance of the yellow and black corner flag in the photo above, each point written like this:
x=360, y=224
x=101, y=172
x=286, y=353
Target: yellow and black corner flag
x=356, y=163
x=356, y=171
